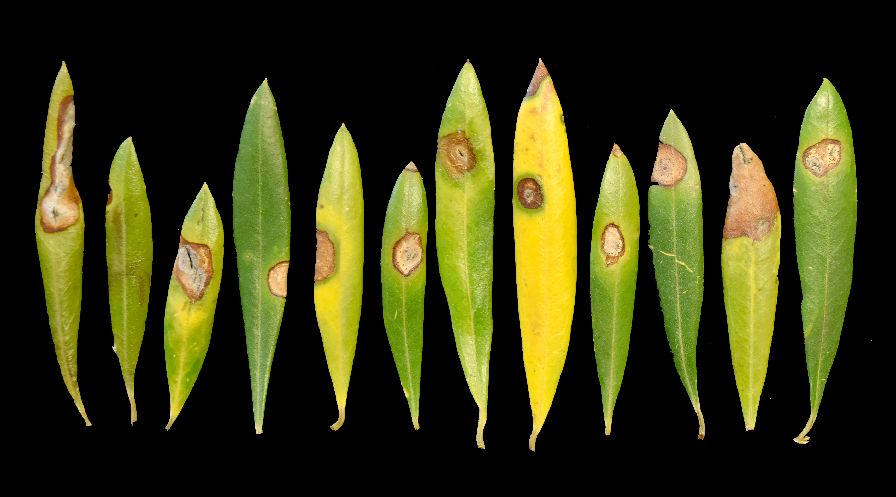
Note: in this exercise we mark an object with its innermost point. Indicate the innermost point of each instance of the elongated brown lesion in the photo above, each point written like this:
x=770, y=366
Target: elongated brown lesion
x=670, y=166
x=193, y=268
x=325, y=258
x=820, y=158
x=753, y=205
x=60, y=206
x=457, y=153
x=407, y=253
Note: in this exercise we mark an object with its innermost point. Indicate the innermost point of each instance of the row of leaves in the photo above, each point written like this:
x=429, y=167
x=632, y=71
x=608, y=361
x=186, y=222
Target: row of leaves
x=544, y=231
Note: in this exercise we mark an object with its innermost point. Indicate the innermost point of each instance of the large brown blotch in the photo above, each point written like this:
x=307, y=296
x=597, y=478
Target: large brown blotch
x=325, y=258
x=277, y=278
x=820, y=158
x=457, y=153
x=612, y=244
x=407, y=253
x=753, y=205
x=529, y=193
x=670, y=166
x=60, y=204
x=193, y=268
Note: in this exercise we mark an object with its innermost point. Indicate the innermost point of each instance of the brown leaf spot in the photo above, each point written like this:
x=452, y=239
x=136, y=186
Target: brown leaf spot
x=541, y=72
x=612, y=244
x=617, y=152
x=528, y=191
x=457, y=153
x=822, y=157
x=277, y=278
x=411, y=167
x=60, y=204
x=670, y=166
x=407, y=254
x=193, y=268
x=109, y=198
x=325, y=261
x=753, y=205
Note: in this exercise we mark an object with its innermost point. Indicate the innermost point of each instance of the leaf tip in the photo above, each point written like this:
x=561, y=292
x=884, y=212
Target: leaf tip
x=701, y=425
x=617, y=152
x=133, y=403
x=541, y=74
x=532, y=439
x=258, y=430
x=608, y=426
x=416, y=422
x=340, y=421
x=411, y=167
x=480, y=429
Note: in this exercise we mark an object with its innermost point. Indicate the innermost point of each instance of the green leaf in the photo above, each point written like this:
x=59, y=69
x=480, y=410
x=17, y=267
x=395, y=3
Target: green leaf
x=192, y=298
x=751, y=252
x=824, y=208
x=403, y=275
x=675, y=213
x=59, y=229
x=129, y=261
x=615, y=237
x=465, y=207
x=339, y=263
x=261, y=226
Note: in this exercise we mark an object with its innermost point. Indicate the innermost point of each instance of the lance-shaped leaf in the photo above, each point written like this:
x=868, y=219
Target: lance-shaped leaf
x=192, y=298
x=261, y=224
x=614, y=269
x=544, y=231
x=129, y=261
x=403, y=274
x=465, y=211
x=824, y=212
x=339, y=263
x=59, y=228
x=751, y=252
x=675, y=213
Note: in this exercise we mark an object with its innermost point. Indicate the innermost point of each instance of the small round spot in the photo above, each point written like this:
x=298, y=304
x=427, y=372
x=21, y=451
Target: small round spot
x=528, y=192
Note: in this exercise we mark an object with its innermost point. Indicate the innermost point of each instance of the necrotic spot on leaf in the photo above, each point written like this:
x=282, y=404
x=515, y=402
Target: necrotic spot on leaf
x=612, y=244
x=407, y=253
x=528, y=191
x=457, y=153
x=325, y=261
x=670, y=166
x=193, y=268
x=753, y=206
x=277, y=278
x=59, y=206
x=822, y=157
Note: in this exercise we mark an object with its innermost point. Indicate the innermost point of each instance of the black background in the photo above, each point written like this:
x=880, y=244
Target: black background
x=182, y=96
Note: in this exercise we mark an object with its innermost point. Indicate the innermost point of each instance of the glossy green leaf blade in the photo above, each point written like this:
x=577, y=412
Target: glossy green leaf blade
x=465, y=207
x=403, y=275
x=615, y=237
x=59, y=229
x=192, y=298
x=261, y=228
x=339, y=263
x=825, y=210
x=128, y=260
x=675, y=213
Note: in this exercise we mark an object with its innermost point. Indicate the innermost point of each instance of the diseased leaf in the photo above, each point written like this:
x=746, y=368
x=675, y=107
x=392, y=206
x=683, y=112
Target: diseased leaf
x=544, y=231
x=403, y=274
x=339, y=264
x=675, y=213
x=465, y=211
x=751, y=252
x=129, y=261
x=261, y=227
x=192, y=298
x=615, y=237
x=59, y=229
x=825, y=213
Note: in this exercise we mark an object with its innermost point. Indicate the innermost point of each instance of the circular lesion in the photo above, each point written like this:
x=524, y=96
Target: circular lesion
x=277, y=278
x=529, y=193
x=325, y=257
x=820, y=158
x=612, y=244
x=457, y=153
x=670, y=166
x=407, y=253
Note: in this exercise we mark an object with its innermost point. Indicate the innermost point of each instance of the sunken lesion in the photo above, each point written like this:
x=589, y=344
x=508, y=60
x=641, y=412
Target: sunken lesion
x=277, y=278
x=753, y=205
x=820, y=158
x=457, y=153
x=60, y=205
x=670, y=166
x=325, y=257
x=612, y=244
x=529, y=193
x=407, y=253
x=193, y=268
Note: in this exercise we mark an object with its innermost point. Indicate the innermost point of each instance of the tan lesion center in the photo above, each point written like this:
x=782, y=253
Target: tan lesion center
x=670, y=166
x=612, y=244
x=529, y=193
x=325, y=257
x=820, y=158
x=407, y=253
x=193, y=268
x=60, y=204
x=457, y=153
x=277, y=278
